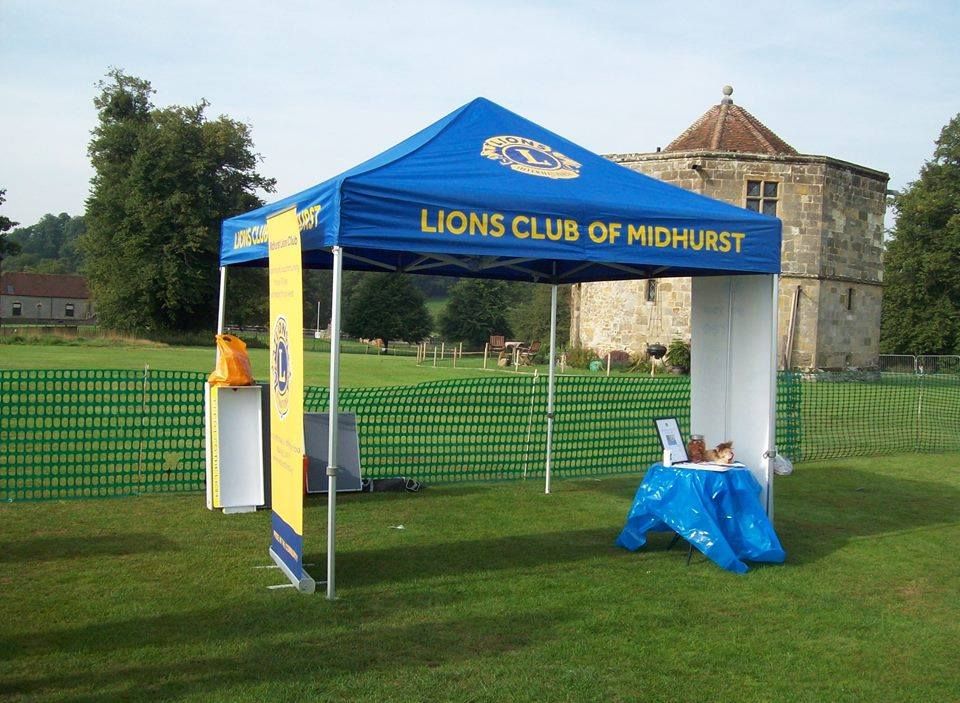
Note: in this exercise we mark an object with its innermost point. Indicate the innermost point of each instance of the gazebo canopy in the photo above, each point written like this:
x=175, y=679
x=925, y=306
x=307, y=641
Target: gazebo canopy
x=486, y=193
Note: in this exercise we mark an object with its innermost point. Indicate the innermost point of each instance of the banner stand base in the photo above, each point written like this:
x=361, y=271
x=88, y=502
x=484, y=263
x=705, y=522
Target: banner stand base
x=304, y=585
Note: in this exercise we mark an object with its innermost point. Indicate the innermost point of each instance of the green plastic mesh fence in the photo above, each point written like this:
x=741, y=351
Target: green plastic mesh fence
x=789, y=406
x=862, y=413
x=78, y=434
x=605, y=425
x=938, y=413
x=494, y=428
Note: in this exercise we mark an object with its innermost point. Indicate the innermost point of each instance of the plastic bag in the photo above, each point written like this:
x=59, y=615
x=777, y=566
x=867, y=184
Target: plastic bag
x=233, y=364
x=782, y=466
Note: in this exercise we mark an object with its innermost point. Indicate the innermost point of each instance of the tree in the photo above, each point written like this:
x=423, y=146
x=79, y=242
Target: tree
x=532, y=313
x=316, y=296
x=164, y=180
x=8, y=247
x=434, y=286
x=477, y=309
x=49, y=246
x=387, y=306
x=248, y=297
x=921, y=299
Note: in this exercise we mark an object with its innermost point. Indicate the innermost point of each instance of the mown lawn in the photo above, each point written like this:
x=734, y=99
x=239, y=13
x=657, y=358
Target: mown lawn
x=491, y=592
x=357, y=370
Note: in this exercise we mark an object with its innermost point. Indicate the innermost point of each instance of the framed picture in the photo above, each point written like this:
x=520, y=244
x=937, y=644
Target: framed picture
x=668, y=429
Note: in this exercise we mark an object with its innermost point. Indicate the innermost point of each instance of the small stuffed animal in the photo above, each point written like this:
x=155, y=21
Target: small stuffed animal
x=723, y=454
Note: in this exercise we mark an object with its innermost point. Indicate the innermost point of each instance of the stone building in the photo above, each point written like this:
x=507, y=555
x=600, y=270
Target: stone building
x=45, y=298
x=832, y=213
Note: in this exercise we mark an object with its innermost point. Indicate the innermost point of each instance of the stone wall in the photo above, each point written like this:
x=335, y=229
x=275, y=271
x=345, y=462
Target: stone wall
x=832, y=215
x=852, y=255
x=852, y=230
x=848, y=337
x=616, y=315
x=828, y=335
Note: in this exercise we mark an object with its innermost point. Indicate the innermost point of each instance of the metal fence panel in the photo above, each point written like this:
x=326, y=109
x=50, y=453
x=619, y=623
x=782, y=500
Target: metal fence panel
x=940, y=364
x=898, y=363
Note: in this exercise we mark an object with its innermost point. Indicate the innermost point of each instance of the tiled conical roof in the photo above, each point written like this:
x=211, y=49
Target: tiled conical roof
x=728, y=127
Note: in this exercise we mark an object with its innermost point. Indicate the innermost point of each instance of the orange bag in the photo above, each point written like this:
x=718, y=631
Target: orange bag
x=233, y=364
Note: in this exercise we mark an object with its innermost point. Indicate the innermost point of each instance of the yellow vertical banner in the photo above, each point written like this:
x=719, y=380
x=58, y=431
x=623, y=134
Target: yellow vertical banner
x=286, y=396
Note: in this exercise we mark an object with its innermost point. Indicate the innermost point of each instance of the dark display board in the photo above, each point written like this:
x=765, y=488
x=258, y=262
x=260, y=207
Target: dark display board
x=315, y=434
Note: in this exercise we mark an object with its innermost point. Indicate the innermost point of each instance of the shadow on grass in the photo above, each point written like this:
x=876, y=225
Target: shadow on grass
x=623, y=485
x=821, y=514
x=452, y=489
x=54, y=548
x=204, y=652
x=455, y=559
x=428, y=492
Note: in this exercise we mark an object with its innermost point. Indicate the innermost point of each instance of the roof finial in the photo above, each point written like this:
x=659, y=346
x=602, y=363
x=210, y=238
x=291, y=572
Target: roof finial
x=727, y=92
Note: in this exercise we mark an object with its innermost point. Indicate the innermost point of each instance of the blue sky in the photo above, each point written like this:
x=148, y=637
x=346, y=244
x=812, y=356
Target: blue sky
x=325, y=85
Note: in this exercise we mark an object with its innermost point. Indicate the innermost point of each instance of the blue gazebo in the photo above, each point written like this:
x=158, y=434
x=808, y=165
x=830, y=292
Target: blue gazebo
x=485, y=193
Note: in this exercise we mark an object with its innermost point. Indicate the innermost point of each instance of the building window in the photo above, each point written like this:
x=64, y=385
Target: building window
x=651, y=290
x=17, y=309
x=762, y=196
x=849, y=298
x=68, y=310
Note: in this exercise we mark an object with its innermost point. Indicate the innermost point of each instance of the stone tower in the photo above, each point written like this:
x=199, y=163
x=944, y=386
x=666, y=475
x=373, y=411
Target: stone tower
x=832, y=213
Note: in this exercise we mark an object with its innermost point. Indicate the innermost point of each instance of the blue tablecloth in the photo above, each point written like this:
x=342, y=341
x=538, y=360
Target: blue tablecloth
x=717, y=512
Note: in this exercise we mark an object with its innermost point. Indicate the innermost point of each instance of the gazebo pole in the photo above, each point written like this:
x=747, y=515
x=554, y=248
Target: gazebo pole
x=222, y=305
x=332, y=430
x=551, y=383
x=771, y=453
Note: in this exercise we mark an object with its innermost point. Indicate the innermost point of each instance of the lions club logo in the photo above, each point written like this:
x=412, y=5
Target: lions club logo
x=530, y=157
x=280, y=367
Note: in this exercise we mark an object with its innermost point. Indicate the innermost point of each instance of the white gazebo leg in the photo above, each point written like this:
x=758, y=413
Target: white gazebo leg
x=551, y=383
x=334, y=422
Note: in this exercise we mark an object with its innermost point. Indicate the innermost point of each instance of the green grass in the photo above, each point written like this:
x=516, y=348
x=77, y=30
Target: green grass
x=357, y=370
x=491, y=593
x=436, y=306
